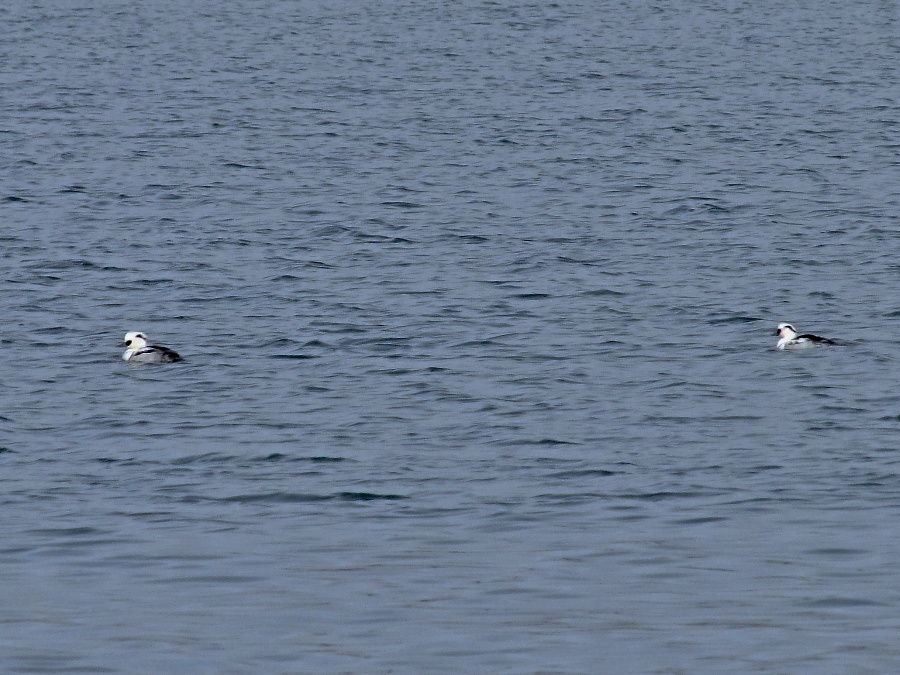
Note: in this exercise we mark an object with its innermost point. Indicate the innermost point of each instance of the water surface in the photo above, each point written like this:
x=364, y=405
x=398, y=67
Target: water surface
x=477, y=302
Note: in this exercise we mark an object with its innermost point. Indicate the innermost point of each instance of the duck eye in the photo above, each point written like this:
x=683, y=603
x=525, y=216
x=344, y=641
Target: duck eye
x=127, y=343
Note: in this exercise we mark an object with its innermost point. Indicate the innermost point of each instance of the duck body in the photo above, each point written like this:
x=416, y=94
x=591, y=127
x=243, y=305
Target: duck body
x=138, y=351
x=789, y=338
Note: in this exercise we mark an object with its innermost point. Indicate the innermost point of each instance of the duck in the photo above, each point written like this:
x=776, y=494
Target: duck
x=138, y=351
x=791, y=339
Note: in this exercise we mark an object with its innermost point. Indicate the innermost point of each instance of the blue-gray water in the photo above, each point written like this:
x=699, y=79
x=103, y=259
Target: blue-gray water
x=477, y=301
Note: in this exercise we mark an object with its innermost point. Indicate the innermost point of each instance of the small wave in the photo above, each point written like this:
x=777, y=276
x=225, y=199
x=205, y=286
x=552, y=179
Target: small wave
x=734, y=319
x=602, y=292
x=402, y=205
x=583, y=473
x=296, y=497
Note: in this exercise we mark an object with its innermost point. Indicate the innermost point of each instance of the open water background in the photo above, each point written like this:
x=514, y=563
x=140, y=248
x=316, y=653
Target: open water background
x=476, y=300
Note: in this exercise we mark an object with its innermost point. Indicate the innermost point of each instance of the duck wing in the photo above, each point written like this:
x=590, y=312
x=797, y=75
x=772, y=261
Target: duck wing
x=166, y=354
x=818, y=339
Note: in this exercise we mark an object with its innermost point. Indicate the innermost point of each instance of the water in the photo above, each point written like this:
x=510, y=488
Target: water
x=477, y=304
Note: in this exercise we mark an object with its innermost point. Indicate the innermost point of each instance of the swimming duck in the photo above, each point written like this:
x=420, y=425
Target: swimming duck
x=791, y=339
x=140, y=352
